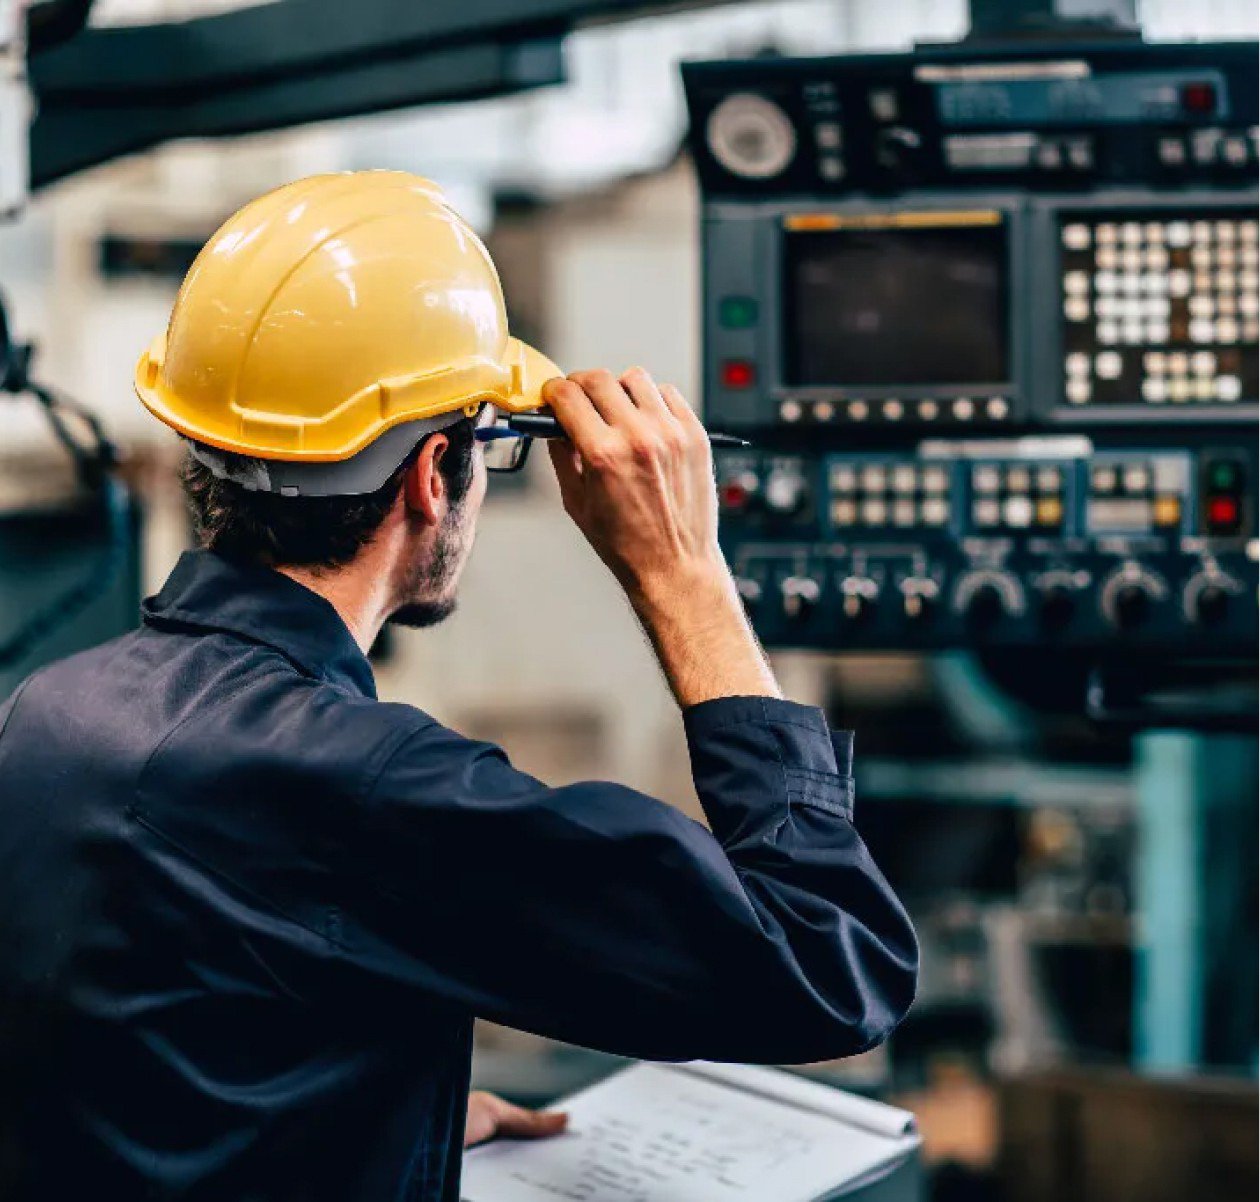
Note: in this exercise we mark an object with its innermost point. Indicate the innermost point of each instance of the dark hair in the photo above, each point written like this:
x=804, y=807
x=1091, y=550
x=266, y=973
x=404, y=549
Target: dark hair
x=323, y=532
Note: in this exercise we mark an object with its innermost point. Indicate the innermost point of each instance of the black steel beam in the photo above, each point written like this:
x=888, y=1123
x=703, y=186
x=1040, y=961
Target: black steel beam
x=115, y=90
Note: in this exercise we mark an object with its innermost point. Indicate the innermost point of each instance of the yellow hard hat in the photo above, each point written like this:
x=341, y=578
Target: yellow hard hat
x=333, y=310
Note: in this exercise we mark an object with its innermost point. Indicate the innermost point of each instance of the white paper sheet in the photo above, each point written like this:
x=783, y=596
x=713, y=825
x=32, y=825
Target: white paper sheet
x=655, y=1133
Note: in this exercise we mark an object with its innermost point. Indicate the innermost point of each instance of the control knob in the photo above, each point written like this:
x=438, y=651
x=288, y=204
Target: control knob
x=784, y=492
x=920, y=596
x=858, y=595
x=987, y=597
x=1208, y=596
x=1129, y=597
x=1056, y=602
x=801, y=595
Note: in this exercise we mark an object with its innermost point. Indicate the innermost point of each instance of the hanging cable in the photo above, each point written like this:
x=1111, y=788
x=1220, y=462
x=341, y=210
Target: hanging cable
x=95, y=457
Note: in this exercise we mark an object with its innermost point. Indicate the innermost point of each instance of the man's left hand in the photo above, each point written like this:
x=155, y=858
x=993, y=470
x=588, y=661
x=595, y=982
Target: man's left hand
x=489, y=1116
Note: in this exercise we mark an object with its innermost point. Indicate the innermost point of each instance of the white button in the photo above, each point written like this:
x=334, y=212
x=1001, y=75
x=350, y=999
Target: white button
x=1109, y=306
x=1225, y=231
x=1250, y=330
x=1136, y=478
x=1106, y=257
x=1225, y=257
x=893, y=410
x=1156, y=331
x=903, y=513
x=830, y=167
x=1109, y=364
x=1078, y=391
x=1201, y=330
x=1132, y=331
x=1106, y=232
x=1076, y=283
x=1155, y=283
x=1203, y=363
x=903, y=479
x=1132, y=260
x=843, y=478
x=1248, y=281
x=874, y=478
x=1104, y=479
x=964, y=409
x=1201, y=306
x=928, y=410
x=1018, y=511
x=1201, y=256
x=1131, y=308
x=1108, y=332
x=1227, y=330
x=1077, y=363
x=1157, y=306
x=997, y=408
x=824, y=411
x=1154, y=388
x=1105, y=281
x=790, y=411
x=1179, y=233
x=986, y=512
x=827, y=135
x=844, y=513
x=1134, y=281
x=986, y=478
x=858, y=410
x=935, y=511
x=1156, y=258
x=1076, y=308
x=1076, y=236
x=1201, y=231
x=1131, y=232
x=1227, y=305
x=1018, y=479
x=1178, y=282
x=1248, y=304
x=1228, y=388
x=1226, y=280
x=1203, y=388
x=1049, y=479
x=874, y=512
x=935, y=479
x=1178, y=363
x=1179, y=389
x=1153, y=361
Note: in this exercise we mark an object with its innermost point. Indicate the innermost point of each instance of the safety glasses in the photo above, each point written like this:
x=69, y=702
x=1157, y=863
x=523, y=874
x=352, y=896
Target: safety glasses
x=504, y=449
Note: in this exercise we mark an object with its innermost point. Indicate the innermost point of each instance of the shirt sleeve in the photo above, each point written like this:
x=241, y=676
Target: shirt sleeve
x=600, y=916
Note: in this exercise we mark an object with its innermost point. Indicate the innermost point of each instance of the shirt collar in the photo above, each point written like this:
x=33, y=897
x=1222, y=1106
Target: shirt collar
x=210, y=592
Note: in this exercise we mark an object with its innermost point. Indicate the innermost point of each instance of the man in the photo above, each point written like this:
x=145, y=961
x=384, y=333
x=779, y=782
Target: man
x=247, y=911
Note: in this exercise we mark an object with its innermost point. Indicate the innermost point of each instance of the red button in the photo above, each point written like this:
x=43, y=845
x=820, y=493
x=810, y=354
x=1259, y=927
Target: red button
x=1198, y=98
x=1223, y=513
x=738, y=373
x=734, y=495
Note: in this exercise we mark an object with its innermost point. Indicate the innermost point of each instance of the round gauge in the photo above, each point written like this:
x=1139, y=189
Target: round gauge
x=751, y=137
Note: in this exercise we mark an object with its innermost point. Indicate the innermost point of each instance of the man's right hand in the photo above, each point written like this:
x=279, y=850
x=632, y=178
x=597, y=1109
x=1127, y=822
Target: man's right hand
x=636, y=476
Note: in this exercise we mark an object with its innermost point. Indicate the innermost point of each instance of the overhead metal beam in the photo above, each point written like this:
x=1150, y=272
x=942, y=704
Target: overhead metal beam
x=115, y=90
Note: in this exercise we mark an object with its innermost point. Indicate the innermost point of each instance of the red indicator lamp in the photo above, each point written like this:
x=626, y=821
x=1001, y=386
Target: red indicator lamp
x=734, y=495
x=1199, y=98
x=738, y=373
x=1223, y=514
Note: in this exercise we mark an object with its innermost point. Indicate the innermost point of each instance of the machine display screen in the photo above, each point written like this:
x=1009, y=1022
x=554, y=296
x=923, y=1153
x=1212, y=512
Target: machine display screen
x=888, y=301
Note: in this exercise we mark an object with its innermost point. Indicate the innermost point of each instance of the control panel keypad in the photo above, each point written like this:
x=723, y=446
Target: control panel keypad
x=1160, y=308
x=1132, y=494
x=877, y=494
x=1016, y=496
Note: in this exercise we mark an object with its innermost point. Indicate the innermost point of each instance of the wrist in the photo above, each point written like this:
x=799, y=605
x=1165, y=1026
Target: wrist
x=691, y=585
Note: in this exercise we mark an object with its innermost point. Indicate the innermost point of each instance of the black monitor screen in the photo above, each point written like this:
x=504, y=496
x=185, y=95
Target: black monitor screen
x=896, y=305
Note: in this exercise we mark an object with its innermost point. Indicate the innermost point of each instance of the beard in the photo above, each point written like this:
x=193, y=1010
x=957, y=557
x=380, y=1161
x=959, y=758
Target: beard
x=431, y=585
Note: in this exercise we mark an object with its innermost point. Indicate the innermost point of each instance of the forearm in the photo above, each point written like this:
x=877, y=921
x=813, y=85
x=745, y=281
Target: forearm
x=701, y=634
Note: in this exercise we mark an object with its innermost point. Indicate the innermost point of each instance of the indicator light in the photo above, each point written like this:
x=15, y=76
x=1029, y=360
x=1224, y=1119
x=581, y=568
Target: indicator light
x=1223, y=514
x=1198, y=98
x=1224, y=476
x=738, y=373
x=1167, y=511
x=737, y=312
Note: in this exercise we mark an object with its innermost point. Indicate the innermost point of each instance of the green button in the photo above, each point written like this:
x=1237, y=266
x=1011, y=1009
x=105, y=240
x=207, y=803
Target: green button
x=1224, y=475
x=737, y=312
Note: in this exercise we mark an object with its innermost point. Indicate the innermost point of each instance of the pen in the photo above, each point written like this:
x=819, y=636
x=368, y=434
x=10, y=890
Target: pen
x=540, y=425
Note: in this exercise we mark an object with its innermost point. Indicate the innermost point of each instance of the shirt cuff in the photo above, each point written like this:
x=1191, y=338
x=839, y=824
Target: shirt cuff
x=787, y=746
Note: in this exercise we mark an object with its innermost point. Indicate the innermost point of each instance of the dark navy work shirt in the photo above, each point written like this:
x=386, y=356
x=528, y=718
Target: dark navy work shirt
x=248, y=912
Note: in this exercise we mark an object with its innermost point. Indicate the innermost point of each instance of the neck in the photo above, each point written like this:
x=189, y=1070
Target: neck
x=362, y=593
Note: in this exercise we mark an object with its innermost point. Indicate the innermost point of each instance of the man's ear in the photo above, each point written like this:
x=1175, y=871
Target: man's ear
x=424, y=486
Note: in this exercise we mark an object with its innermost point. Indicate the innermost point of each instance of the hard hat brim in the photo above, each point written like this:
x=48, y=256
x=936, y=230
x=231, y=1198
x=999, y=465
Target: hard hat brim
x=514, y=385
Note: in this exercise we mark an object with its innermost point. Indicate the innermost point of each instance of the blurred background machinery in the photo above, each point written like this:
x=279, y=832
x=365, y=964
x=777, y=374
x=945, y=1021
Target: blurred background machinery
x=980, y=285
